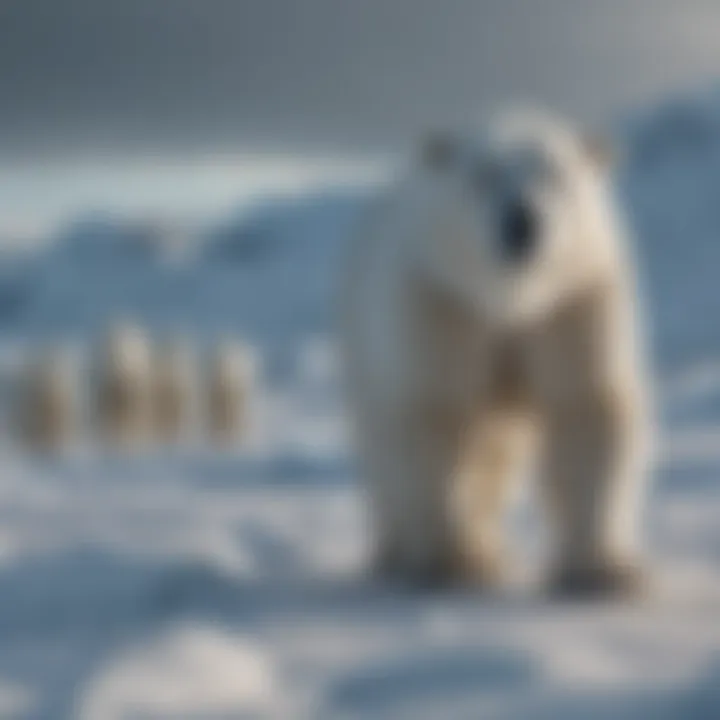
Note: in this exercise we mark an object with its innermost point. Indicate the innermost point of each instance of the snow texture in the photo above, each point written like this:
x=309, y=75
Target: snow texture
x=192, y=584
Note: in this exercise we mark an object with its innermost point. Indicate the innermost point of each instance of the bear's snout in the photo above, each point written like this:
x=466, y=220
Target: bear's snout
x=519, y=232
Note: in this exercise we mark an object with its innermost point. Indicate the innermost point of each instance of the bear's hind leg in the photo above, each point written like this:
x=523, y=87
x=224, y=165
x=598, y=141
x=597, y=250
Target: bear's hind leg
x=589, y=380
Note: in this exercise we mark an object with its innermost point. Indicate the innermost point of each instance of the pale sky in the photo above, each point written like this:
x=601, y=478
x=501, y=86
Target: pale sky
x=151, y=75
x=147, y=84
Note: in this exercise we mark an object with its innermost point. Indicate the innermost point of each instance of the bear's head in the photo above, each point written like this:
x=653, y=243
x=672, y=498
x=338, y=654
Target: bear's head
x=519, y=216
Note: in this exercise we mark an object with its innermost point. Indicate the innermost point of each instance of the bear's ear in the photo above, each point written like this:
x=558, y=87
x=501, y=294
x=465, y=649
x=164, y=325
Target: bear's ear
x=600, y=150
x=439, y=150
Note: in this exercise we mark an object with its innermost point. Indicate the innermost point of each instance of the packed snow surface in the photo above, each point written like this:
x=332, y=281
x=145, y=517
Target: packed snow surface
x=199, y=584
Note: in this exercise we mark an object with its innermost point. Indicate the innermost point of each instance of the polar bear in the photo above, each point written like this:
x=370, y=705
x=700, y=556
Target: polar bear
x=229, y=385
x=124, y=386
x=174, y=391
x=48, y=403
x=489, y=318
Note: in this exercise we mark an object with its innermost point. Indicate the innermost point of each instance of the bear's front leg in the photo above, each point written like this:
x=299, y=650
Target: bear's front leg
x=593, y=475
x=426, y=547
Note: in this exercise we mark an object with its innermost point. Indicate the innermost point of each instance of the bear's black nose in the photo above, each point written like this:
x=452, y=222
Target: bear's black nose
x=519, y=232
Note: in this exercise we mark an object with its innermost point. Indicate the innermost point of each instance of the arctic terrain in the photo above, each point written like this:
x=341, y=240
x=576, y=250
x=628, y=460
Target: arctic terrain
x=198, y=584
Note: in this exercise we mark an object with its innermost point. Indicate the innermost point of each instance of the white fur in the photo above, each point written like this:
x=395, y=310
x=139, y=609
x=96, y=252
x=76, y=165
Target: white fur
x=124, y=386
x=174, y=391
x=229, y=386
x=428, y=307
x=49, y=401
x=582, y=234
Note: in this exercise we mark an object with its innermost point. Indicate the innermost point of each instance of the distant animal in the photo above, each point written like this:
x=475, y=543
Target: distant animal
x=123, y=387
x=229, y=382
x=173, y=391
x=47, y=404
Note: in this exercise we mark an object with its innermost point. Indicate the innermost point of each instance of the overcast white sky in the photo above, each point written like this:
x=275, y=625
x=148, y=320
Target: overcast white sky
x=180, y=74
x=112, y=79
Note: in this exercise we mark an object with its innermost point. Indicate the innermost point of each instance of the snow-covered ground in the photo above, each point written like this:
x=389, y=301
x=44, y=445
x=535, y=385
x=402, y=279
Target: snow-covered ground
x=202, y=585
